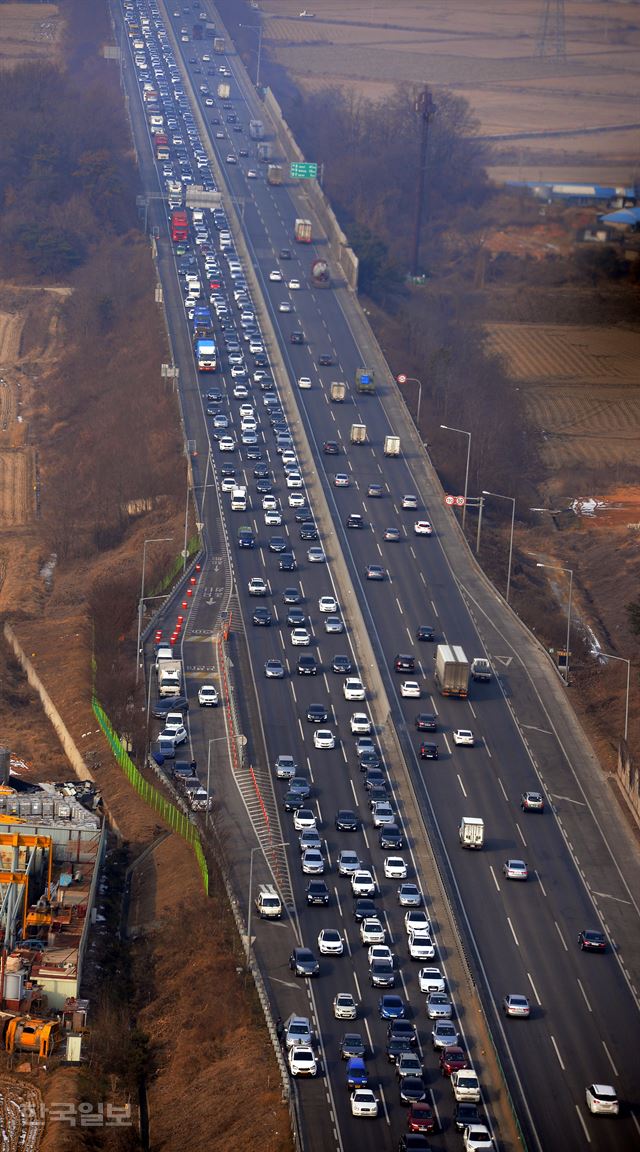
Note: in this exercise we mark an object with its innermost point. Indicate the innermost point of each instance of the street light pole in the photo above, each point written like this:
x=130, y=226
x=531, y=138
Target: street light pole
x=558, y=568
x=623, y=659
x=402, y=379
x=499, y=496
x=155, y=540
x=463, y=432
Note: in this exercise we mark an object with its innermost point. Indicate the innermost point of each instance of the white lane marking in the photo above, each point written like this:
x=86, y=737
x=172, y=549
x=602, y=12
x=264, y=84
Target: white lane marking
x=584, y=995
x=535, y=990
x=301, y=728
x=399, y=606
x=495, y=881
x=409, y=635
x=488, y=750
x=584, y=1126
x=423, y=579
x=320, y=820
x=537, y=876
x=368, y=1031
x=404, y=986
x=338, y=902
x=366, y=839
x=435, y=1110
x=434, y=706
x=353, y=789
x=435, y=610
x=346, y=940
x=444, y=737
x=560, y=935
x=503, y=789
x=610, y=1059
x=293, y=691
x=608, y=896
x=384, y=1105
x=355, y=980
x=513, y=933
x=521, y=835
x=461, y=785
x=557, y=1050
x=472, y=711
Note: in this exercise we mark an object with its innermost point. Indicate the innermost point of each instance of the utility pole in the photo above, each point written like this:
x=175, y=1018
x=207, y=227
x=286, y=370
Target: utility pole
x=551, y=40
x=425, y=110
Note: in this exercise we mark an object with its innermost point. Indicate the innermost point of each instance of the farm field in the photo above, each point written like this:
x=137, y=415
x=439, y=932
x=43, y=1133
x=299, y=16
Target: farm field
x=582, y=394
x=490, y=54
x=28, y=32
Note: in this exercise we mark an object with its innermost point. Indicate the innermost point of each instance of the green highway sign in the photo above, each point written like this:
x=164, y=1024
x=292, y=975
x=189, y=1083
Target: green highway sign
x=304, y=171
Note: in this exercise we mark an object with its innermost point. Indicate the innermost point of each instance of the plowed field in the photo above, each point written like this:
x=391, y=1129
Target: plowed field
x=582, y=392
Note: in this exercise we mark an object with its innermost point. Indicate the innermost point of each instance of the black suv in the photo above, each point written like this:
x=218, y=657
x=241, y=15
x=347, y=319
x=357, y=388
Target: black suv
x=317, y=892
x=404, y=663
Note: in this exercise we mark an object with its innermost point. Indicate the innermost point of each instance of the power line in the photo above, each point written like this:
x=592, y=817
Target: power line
x=551, y=40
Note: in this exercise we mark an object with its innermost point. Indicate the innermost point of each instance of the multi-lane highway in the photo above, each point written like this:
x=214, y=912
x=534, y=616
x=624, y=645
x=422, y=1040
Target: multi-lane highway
x=520, y=937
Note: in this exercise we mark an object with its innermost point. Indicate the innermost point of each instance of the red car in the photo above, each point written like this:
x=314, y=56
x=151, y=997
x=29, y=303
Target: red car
x=421, y=1118
x=452, y=1059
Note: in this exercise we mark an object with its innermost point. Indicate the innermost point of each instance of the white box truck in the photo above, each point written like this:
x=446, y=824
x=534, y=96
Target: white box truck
x=392, y=445
x=169, y=678
x=451, y=670
x=471, y=832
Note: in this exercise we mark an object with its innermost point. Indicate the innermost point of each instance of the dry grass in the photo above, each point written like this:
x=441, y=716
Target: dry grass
x=485, y=52
x=29, y=32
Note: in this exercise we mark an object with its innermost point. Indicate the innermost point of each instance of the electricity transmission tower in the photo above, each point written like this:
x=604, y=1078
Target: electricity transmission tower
x=551, y=38
x=424, y=110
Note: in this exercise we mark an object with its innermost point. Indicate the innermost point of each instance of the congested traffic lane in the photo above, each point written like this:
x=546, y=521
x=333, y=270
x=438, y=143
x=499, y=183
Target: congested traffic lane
x=501, y=744
x=458, y=637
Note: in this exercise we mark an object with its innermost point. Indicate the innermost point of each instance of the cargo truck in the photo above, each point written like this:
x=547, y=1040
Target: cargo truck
x=302, y=231
x=320, y=277
x=451, y=670
x=471, y=832
x=161, y=146
x=365, y=380
x=179, y=226
x=219, y=45
x=338, y=391
x=391, y=446
x=239, y=499
x=264, y=150
x=224, y=90
x=206, y=355
x=175, y=192
x=480, y=669
x=169, y=678
x=274, y=175
x=256, y=129
x=358, y=434
x=202, y=322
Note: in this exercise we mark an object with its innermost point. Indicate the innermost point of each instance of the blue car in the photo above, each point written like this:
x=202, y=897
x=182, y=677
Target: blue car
x=391, y=1007
x=356, y=1073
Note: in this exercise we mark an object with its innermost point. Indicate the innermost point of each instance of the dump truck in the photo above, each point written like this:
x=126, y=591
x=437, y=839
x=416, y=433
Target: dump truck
x=481, y=669
x=365, y=380
x=471, y=832
x=358, y=434
x=256, y=129
x=338, y=391
x=170, y=678
x=320, y=277
x=274, y=175
x=268, y=903
x=302, y=231
x=451, y=670
x=391, y=446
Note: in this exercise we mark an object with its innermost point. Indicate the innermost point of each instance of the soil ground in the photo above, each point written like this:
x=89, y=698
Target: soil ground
x=488, y=52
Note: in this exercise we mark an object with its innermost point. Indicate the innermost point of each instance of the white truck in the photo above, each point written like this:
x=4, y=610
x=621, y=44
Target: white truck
x=239, y=499
x=391, y=446
x=480, y=669
x=170, y=678
x=163, y=652
x=358, y=434
x=471, y=832
x=466, y=1086
x=268, y=903
x=451, y=671
x=338, y=391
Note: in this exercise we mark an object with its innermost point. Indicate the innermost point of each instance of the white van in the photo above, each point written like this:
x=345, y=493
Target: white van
x=198, y=216
x=239, y=500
